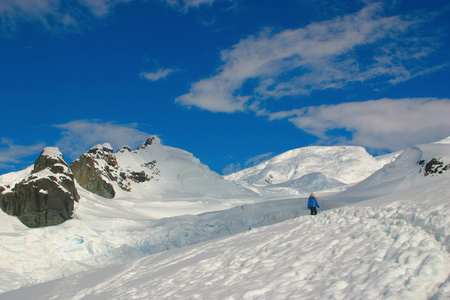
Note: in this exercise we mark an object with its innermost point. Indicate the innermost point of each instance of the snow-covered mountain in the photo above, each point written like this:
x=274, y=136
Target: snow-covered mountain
x=152, y=170
x=394, y=245
x=416, y=166
x=340, y=164
x=210, y=245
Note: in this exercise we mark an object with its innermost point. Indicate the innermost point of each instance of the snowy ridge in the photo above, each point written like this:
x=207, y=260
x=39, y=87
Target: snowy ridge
x=347, y=164
x=407, y=171
x=10, y=179
x=161, y=171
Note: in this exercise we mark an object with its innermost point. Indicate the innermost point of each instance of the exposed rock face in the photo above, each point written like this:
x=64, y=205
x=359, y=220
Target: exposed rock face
x=93, y=170
x=98, y=170
x=46, y=197
x=434, y=166
x=150, y=141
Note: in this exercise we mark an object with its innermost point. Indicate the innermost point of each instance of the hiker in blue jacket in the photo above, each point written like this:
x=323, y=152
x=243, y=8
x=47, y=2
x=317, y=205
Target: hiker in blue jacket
x=312, y=204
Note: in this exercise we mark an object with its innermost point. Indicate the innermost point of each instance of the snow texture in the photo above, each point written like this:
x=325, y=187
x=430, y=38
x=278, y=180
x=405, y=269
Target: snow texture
x=347, y=164
x=393, y=245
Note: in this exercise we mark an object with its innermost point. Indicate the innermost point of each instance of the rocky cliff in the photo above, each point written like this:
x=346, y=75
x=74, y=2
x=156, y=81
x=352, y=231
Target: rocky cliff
x=99, y=172
x=46, y=197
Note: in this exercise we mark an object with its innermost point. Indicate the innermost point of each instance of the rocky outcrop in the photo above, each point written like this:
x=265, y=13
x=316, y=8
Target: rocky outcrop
x=434, y=166
x=93, y=170
x=99, y=172
x=46, y=197
x=150, y=141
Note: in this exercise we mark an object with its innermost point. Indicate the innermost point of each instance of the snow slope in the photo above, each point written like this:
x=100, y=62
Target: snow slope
x=346, y=164
x=108, y=231
x=407, y=171
x=164, y=171
x=395, y=245
x=371, y=250
x=181, y=174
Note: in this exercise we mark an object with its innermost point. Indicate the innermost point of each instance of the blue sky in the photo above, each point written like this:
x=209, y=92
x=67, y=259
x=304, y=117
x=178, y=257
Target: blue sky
x=233, y=82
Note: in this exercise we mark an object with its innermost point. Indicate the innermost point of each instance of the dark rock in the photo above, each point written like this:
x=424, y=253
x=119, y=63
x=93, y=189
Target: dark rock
x=46, y=197
x=139, y=176
x=97, y=170
x=91, y=169
x=124, y=149
x=150, y=141
x=435, y=166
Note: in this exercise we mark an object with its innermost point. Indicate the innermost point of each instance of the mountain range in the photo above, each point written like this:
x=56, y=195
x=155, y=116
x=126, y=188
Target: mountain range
x=386, y=236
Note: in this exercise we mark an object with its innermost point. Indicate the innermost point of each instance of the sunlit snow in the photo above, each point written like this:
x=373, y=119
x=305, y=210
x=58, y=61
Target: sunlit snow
x=388, y=238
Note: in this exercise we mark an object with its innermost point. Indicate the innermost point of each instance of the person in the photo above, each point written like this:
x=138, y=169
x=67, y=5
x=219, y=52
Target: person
x=312, y=204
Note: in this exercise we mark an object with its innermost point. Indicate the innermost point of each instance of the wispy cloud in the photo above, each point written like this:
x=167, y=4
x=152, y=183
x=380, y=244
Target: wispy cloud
x=253, y=161
x=187, y=4
x=385, y=124
x=12, y=154
x=231, y=168
x=79, y=136
x=61, y=14
x=161, y=73
x=53, y=14
x=101, y=8
x=257, y=159
x=361, y=47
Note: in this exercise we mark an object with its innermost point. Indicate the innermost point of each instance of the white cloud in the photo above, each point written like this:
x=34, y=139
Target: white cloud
x=11, y=154
x=157, y=75
x=79, y=136
x=187, y=4
x=331, y=54
x=385, y=124
x=41, y=11
x=253, y=161
x=61, y=14
x=257, y=159
x=101, y=8
x=52, y=14
x=231, y=168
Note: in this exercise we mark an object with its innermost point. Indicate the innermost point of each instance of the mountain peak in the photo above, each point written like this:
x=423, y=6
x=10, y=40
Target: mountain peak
x=106, y=147
x=123, y=149
x=52, y=152
x=346, y=164
x=51, y=158
x=46, y=196
x=153, y=140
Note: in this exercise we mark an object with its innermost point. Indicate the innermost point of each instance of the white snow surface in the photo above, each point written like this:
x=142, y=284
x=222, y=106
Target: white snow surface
x=347, y=164
x=393, y=245
x=175, y=173
x=52, y=152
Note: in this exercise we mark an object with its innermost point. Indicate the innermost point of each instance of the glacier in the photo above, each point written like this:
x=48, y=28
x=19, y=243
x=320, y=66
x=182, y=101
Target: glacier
x=384, y=237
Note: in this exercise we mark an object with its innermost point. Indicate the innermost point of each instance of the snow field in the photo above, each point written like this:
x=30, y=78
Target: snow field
x=372, y=250
x=393, y=246
x=103, y=232
x=347, y=164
